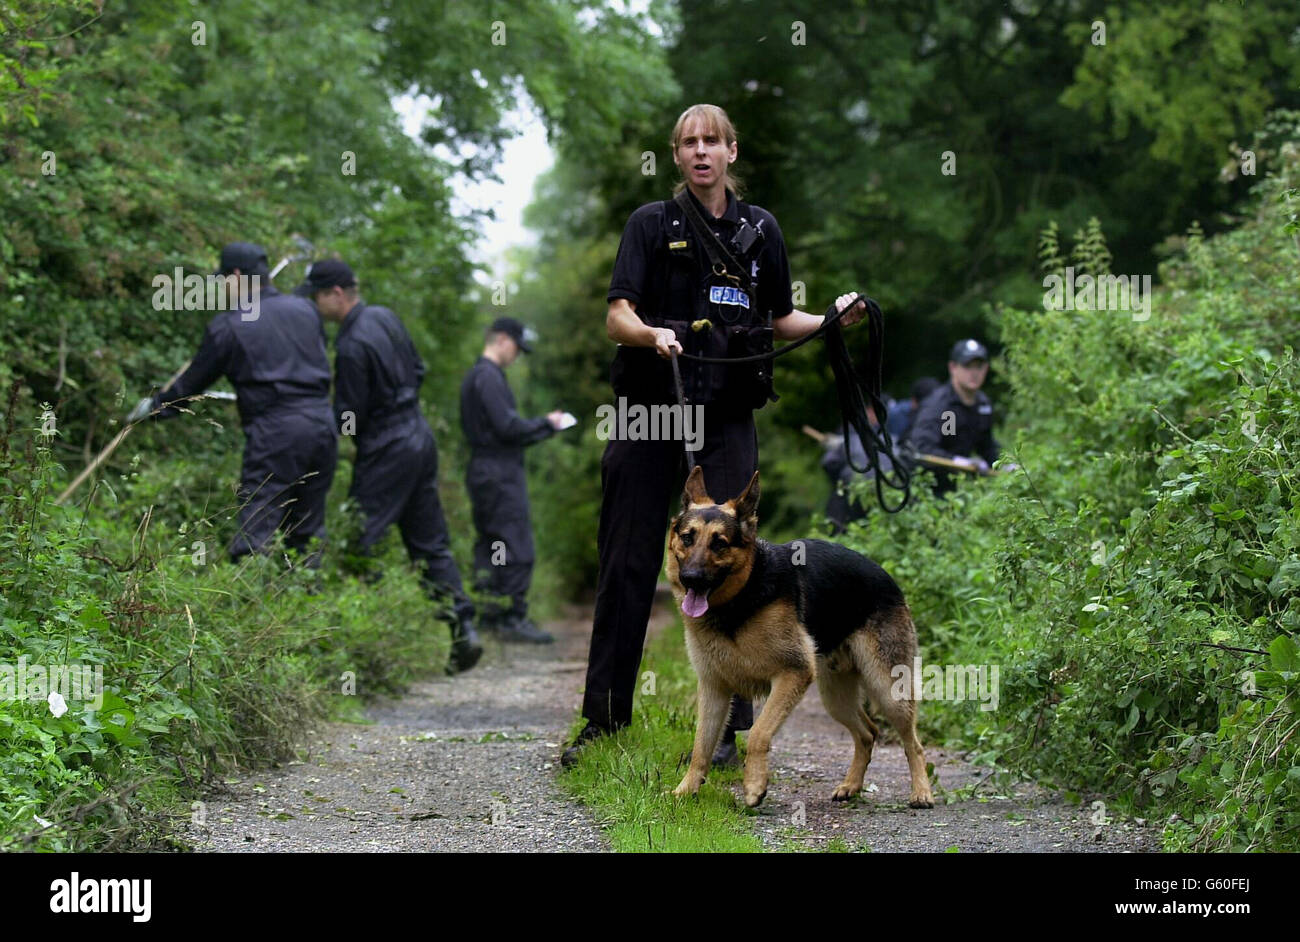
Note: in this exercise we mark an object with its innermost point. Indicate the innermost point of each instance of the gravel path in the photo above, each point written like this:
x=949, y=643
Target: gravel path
x=811, y=753
x=459, y=764
x=469, y=764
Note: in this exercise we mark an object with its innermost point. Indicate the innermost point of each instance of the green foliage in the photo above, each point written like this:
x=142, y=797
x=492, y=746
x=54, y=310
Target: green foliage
x=843, y=121
x=26, y=33
x=1137, y=580
x=1184, y=72
x=140, y=138
x=205, y=665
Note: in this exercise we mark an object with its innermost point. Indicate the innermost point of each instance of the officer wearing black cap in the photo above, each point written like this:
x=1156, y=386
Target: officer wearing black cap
x=395, y=474
x=274, y=355
x=957, y=418
x=498, y=488
x=673, y=289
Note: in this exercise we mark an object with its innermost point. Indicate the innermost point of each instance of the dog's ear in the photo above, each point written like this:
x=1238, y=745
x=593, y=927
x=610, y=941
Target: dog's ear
x=695, y=492
x=747, y=503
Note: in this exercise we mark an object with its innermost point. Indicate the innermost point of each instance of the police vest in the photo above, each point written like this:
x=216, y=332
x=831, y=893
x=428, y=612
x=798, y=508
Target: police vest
x=710, y=314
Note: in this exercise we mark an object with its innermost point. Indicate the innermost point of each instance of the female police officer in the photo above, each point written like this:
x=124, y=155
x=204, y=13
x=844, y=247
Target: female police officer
x=706, y=274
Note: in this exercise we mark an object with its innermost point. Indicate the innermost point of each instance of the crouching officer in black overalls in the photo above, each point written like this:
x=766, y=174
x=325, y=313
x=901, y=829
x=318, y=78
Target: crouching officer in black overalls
x=674, y=289
x=498, y=487
x=395, y=475
x=274, y=355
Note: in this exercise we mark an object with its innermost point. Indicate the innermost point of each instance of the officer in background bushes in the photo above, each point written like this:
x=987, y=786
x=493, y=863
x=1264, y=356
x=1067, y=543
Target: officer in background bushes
x=275, y=358
x=498, y=488
x=395, y=475
x=957, y=418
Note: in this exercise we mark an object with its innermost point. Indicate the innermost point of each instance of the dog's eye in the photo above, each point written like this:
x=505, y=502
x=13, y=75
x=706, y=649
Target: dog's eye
x=687, y=538
x=718, y=544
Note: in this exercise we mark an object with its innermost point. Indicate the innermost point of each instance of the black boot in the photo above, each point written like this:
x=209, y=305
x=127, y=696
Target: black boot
x=466, y=648
x=491, y=622
x=591, y=731
x=520, y=629
x=727, y=756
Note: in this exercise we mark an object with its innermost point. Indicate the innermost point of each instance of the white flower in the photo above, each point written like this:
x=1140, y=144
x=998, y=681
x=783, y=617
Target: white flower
x=58, y=706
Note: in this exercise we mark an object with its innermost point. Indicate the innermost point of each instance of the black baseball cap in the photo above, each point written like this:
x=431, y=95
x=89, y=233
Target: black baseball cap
x=963, y=351
x=324, y=274
x=512, y=328
x=246, y=256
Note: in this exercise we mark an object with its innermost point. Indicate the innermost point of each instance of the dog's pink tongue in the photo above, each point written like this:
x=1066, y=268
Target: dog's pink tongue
x=695, y=604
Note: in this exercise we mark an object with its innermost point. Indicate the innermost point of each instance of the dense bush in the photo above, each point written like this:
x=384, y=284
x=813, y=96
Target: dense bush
x=206, y=665
x=1138, y=581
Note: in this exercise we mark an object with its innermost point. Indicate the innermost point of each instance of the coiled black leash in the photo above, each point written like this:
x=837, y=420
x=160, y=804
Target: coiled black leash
x=855, y=394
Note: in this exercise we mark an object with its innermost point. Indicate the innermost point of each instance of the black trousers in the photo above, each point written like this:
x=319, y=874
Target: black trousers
x=641, y=482
x=503, y=545
x=288, y=467
x=398, y=483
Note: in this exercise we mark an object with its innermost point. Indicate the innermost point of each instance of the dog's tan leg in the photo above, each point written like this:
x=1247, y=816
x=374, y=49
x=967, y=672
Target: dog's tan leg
x=902, y=716
x=788, y=689
x=901, y=712
x=712, y=705
x=841, y=693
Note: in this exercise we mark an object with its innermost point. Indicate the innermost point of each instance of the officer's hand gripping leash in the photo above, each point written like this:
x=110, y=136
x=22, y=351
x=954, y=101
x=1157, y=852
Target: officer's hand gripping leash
x=855, y=392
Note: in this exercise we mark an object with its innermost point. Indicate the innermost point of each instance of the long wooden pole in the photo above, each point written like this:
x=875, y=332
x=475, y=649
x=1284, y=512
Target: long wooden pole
x=937, y=461
x=932, y=460
x=108, y=449
x=112, y=445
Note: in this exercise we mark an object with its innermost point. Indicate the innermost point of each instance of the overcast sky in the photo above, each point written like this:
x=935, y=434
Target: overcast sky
x=524, y=158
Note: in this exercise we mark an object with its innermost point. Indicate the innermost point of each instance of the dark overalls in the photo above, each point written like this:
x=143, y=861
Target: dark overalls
x=498, y=488
x=278, y=365
x=662, y=269
x=395, y=476
x=947, y=427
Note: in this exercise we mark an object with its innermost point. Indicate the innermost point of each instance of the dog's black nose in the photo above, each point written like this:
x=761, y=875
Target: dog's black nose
x=693, y=579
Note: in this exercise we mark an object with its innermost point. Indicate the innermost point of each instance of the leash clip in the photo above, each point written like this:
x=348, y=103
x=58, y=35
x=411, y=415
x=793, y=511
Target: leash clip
x=720, y=269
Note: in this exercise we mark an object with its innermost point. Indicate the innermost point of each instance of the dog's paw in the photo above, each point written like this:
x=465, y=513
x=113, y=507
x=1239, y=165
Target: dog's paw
x=687, y=787
x=925, y=800
x=754, y=797
x=845, y=793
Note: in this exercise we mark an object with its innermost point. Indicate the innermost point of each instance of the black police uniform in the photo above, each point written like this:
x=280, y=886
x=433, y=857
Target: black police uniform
x=971, y=429
x=278, y=365
x=498, y=487
x=395, y=476
x=664, y=270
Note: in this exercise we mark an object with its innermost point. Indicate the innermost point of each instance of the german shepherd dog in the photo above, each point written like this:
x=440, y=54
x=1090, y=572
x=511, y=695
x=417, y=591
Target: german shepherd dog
x=765, y=620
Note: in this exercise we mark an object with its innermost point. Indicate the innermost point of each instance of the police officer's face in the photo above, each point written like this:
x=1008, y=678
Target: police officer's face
x=332, y=303
x=702, y=155
x=969, y=376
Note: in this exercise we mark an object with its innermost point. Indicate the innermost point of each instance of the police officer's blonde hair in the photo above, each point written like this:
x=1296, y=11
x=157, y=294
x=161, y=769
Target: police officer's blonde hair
x=716, y=121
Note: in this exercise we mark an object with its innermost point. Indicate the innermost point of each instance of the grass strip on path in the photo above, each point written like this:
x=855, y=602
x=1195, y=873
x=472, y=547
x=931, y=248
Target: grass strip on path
x=627, y=779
